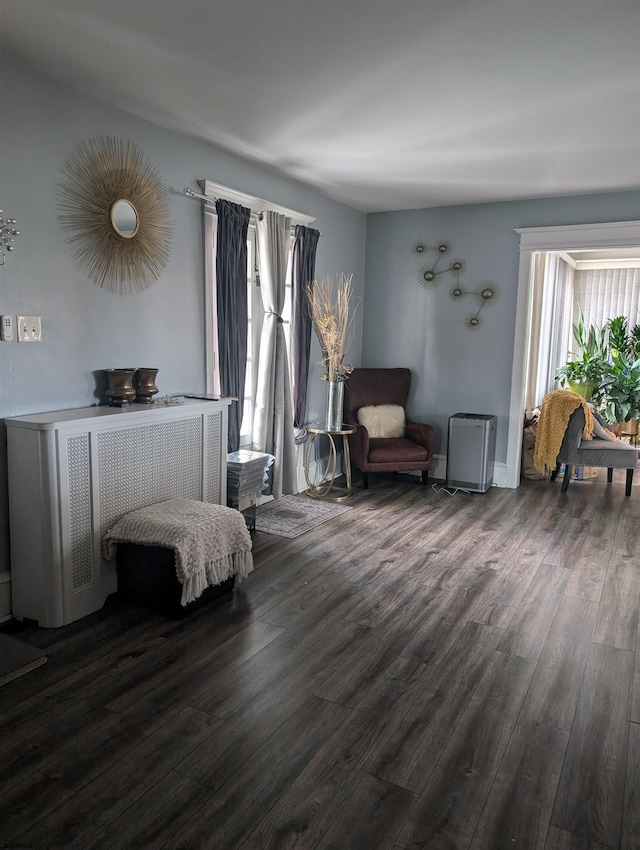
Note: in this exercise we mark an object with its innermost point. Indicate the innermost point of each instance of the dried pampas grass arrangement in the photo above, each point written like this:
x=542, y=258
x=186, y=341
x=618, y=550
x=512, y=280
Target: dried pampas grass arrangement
x=98, y=174
x=329, y=305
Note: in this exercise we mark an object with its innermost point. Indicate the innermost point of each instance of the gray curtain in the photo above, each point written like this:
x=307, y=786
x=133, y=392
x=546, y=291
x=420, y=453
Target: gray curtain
x=303, y=272
x=231, y=274
x=273, y=415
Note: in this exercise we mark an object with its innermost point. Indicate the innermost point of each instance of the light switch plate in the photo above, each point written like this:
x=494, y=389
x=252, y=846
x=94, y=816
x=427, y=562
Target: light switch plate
x=6, y=328
x=29, y=329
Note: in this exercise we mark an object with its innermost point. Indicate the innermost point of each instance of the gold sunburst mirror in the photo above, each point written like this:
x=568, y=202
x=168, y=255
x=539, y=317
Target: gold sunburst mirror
x=114, y=201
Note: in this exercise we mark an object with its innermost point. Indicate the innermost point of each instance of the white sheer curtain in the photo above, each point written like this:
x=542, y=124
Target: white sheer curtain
x=561, y=341
x=606, y=293
x=551, y=335
x=273, y=415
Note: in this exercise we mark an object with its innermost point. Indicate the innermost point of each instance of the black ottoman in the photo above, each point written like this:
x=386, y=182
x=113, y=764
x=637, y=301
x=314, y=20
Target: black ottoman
x=147, y=577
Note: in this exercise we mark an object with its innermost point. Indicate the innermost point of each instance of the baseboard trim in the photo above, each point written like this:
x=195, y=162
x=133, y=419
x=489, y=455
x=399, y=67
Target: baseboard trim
x=438, y=470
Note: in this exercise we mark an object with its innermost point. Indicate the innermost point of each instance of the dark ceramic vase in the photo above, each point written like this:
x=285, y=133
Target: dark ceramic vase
x=145, y=385
x=120, y=390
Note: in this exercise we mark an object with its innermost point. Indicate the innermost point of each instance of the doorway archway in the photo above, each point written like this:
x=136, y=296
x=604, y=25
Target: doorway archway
x=620, y=234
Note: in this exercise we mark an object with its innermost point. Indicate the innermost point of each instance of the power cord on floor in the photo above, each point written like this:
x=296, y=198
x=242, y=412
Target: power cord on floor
x=437, y=489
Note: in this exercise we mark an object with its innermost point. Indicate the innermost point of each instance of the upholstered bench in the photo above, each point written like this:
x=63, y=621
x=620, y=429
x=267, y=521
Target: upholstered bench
x=175, y=555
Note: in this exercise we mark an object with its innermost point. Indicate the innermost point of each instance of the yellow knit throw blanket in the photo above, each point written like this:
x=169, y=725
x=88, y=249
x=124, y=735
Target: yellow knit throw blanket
x=557, y=407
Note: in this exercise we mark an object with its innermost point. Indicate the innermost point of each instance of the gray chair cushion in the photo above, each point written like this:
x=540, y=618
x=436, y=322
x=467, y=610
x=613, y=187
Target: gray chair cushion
x=579, y=452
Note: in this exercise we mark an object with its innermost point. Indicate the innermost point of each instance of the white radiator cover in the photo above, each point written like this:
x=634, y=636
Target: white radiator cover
x=74, y=473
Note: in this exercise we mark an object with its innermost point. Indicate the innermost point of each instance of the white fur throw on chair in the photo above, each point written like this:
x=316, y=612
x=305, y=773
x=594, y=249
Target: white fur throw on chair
x=382, y=420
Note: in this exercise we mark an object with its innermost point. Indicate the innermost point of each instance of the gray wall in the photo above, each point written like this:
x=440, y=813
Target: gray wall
x=86, y=328
x=456, y=369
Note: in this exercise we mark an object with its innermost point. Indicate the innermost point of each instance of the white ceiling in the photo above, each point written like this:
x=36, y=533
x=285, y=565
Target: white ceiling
x=381, y=104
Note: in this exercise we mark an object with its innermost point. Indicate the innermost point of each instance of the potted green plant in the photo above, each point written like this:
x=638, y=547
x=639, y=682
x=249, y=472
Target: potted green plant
x=622, y=338
x=619, y=391
x=585, y=373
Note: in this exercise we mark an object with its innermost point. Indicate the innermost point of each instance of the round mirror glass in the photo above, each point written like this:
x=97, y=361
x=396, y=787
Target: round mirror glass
x=124, y=219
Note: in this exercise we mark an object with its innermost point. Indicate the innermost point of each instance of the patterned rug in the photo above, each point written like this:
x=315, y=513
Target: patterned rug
x=291, y=516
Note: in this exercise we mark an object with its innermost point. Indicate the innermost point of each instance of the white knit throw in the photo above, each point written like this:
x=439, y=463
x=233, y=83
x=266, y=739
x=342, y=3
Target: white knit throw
x=211, y=542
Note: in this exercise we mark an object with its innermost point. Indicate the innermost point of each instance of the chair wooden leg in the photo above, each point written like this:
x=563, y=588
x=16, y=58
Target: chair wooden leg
x=609, y=474
x=365, y=481
x=627, y=489
x=567, y=477
x=425, y=477
x=555, y=472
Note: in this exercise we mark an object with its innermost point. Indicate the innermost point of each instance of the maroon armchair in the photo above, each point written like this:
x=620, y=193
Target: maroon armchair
x=411, y=451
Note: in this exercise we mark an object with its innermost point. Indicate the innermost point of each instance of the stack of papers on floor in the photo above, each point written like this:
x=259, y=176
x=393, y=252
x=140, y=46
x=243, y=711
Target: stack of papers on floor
x=247, y=473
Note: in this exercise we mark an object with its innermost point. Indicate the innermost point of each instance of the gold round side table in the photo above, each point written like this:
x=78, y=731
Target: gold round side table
x=327, y=489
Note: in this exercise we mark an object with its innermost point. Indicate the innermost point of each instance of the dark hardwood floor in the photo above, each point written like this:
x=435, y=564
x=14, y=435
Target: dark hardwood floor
x=424, y=671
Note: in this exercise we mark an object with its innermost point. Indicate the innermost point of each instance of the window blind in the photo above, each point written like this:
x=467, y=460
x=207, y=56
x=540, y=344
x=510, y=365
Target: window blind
x=606, y=293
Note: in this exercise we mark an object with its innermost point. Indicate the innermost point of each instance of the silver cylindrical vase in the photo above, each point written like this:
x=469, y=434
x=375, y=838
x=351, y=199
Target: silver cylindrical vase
x=335, y=398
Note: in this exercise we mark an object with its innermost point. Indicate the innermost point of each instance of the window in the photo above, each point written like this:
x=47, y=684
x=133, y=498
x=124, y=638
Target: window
x=212, y=193
x=604, y=293
x=254, y=309
x=256, y=314
x=551, y=331
x=601, y=286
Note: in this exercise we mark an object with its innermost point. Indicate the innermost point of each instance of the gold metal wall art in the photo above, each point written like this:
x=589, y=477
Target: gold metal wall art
x=430, y=271
x=116, y=206
x=487, y=293
x=7, y=233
